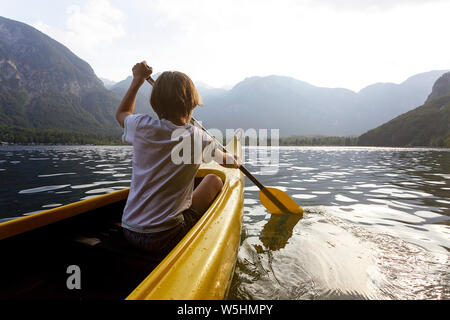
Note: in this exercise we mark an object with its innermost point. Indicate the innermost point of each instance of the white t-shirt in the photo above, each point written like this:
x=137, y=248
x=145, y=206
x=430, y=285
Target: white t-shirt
x=161, y=189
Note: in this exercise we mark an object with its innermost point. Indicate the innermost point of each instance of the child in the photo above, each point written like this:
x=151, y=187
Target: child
x=162, y=205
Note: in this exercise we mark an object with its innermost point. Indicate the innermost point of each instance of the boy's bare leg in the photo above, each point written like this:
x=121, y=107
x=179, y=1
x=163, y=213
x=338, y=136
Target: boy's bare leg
x=206, y=192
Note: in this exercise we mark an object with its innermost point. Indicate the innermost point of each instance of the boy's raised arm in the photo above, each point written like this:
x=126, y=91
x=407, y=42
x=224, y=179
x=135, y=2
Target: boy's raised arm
x=126, y=108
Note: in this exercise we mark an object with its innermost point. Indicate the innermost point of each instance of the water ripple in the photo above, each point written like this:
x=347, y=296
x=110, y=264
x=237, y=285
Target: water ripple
x=378, y=228
x=376, y=222
x=43, y=189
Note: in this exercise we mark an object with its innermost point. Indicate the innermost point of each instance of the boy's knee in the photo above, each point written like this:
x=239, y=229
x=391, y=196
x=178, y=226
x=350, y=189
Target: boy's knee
x=215, y=182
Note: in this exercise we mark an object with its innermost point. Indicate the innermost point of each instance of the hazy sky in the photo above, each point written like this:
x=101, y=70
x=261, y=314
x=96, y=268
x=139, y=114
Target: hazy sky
x=341, y=43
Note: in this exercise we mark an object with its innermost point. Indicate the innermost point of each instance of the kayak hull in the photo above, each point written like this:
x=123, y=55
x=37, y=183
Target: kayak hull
x=201, y=266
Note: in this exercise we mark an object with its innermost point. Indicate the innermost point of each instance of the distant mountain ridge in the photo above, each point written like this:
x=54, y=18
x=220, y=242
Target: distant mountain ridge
x=143, y=96
x=33, y=60
x=297, y=107
x=427, y=125
x=108, y=83
x=441, y=87
x=45, y=87
x=48, y=94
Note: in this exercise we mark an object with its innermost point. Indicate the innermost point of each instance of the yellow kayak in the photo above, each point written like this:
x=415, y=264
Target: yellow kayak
x=39, y=250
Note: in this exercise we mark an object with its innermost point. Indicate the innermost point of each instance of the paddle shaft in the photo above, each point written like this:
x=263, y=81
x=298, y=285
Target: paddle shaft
x=261, y=187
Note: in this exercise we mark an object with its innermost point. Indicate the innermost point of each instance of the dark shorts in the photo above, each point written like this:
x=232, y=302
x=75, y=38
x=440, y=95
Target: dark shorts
x=159, y=244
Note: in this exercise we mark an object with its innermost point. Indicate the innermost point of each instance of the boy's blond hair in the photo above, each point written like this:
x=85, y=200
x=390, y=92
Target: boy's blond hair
x=174, y=95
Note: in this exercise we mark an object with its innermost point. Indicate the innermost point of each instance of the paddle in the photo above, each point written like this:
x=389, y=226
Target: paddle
x=274, y=200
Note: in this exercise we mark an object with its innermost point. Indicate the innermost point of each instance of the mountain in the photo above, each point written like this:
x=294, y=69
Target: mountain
x=108, y=83
x=48, y=94
x=292, y=105
x=143, y=96
x=45, y=88
x=297, y=107
x=441, y=87
x=384, y=101
x=427, y=125
x=207, y=91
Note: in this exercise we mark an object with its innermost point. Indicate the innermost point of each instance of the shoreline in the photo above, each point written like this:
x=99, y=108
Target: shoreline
x=417, y=148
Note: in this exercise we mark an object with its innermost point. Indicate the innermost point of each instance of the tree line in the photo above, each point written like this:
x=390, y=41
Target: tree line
x=318, y=141
x=19, y=135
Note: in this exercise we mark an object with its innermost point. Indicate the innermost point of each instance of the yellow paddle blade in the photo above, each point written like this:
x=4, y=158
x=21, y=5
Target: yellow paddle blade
x=278, y=202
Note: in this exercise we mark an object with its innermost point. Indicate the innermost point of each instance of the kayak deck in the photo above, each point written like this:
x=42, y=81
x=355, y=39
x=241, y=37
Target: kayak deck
x=37, y=250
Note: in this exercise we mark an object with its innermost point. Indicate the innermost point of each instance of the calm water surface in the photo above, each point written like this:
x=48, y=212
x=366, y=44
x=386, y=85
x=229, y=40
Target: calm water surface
x=376, y=226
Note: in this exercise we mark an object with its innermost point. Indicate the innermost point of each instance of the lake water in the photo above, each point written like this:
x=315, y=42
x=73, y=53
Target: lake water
x=376, y=222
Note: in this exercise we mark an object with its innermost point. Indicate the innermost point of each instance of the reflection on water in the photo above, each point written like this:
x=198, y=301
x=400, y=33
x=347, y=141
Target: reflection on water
x=35, y=178
x=376, y=222
x=278, y=230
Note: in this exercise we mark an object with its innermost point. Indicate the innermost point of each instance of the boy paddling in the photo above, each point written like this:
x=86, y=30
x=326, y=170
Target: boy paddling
x=162, y=205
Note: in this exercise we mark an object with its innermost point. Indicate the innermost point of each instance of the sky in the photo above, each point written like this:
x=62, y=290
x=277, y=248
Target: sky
x=341, y=43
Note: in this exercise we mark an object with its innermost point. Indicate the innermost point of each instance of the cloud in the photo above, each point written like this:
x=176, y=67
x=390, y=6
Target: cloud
x=228, y=41
x=90, y=26
x=345, y=43
x=359, y=5
x=227, y=34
